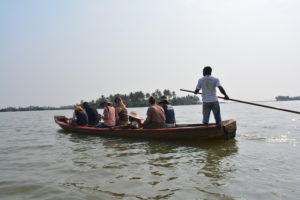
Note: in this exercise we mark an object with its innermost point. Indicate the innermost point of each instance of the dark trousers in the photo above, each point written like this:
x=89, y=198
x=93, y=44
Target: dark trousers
x=215, y=108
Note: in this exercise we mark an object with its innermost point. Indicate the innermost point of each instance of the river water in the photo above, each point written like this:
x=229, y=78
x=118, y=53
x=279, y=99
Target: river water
x=39, y=161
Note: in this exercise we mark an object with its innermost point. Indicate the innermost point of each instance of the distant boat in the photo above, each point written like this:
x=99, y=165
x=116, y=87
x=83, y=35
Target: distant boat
x=194, y=132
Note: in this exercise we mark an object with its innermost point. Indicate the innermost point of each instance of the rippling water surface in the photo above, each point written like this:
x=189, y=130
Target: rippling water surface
x=39, y=161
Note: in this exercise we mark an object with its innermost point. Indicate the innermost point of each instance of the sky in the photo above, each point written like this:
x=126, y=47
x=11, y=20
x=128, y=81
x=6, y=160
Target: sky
x=58, y=52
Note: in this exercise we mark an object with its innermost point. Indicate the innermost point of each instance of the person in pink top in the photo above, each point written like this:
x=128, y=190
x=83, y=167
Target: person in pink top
x=109, y=116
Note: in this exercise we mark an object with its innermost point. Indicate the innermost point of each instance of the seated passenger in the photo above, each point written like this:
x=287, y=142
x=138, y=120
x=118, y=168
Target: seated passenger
x=135, y=121
x=121, y=112
x=80, y=117
x=169, y=112
x=155, y=115
x=93, y=116
x=109, y=116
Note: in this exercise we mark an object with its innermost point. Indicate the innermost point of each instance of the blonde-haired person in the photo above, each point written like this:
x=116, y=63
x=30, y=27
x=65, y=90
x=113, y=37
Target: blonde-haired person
x=121, y=112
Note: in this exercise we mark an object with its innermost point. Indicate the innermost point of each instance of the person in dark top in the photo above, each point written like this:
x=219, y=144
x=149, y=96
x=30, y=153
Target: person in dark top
x=92, y=113
x=169, y=112
x=80, y=117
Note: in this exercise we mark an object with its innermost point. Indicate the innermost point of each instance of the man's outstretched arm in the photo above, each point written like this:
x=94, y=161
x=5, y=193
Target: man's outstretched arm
x=223, y=92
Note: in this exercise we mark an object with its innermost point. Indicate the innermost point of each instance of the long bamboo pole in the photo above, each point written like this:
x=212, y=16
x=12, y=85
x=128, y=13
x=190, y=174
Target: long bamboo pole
x=250, y=103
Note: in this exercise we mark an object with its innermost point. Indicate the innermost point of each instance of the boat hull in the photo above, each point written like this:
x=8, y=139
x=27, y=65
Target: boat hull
x=182, y=132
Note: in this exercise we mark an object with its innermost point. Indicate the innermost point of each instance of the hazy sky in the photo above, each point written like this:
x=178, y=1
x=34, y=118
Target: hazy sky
x=58, y=52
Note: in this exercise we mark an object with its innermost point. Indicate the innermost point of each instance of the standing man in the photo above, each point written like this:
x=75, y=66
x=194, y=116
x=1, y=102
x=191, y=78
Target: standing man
x=208, y=85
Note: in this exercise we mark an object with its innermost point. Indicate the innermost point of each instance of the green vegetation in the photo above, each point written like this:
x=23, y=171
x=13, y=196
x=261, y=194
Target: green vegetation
x=34, y=108
x=286, y=98
x=140, y=99
x=133, y=99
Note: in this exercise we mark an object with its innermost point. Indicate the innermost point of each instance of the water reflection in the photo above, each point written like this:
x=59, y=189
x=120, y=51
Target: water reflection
x=216, y=165
x=140, y=169
x=208, y=157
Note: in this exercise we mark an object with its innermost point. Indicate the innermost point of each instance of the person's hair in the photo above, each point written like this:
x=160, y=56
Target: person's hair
x=119, y=102
x=152, y=100
x=207, y=70
x=85, y=104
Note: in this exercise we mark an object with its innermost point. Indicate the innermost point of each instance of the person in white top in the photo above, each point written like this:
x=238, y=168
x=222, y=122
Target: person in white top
x=208, y=84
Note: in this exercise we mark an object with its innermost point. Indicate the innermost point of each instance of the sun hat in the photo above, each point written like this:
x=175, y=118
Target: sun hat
x=105, y=101
x=164, y=99
x=134, y=115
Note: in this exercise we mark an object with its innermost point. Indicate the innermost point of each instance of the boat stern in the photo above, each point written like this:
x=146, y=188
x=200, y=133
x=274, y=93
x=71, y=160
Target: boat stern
x=229, y=128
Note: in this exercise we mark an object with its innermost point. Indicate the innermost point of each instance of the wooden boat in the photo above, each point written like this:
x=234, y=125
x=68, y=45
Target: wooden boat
x=193, y=132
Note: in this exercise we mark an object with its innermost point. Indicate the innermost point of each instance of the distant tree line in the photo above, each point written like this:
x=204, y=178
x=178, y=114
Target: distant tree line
x=286, y=98
x=140, y=99
x=133, y=99
x=34, y=108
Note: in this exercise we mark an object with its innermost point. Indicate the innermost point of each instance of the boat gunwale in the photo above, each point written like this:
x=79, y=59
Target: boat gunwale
x=213, y=126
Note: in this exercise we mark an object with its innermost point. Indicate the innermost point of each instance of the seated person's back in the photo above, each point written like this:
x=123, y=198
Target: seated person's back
x=155, y=115
x=79, y=117
x=93, y=116
x=169, y=112
x=121, y=112
x=109, y=116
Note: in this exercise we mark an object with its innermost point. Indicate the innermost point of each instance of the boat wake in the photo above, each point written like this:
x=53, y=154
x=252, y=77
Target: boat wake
x=277, y=139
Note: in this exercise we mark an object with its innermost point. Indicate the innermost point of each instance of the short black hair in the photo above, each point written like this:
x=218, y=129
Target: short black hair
x=85, y=103
x=207, y=70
